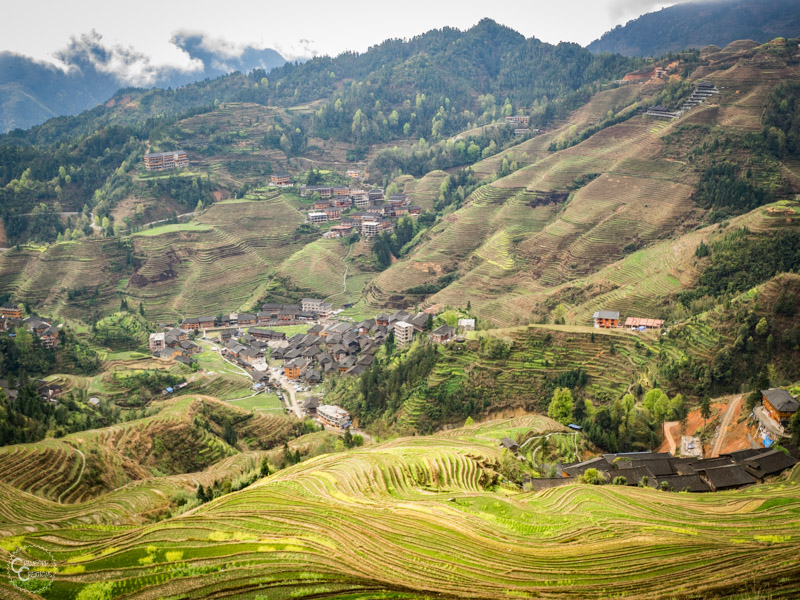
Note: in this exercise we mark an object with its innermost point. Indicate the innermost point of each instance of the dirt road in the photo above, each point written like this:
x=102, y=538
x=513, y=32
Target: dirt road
x=668, y=435
x=725, y=421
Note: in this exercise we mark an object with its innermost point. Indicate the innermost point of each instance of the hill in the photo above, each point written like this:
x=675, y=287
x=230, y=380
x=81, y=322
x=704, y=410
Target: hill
x=185, y=436
x=613, y=219
x=363, y=525
x=88, y=75
x=702, y=23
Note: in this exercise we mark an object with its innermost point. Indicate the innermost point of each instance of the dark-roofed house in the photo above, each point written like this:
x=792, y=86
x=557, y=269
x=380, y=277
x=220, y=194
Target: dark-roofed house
x=633, y=475
x=780, y=404
x=247, y=319
x=606, y=319
x=189, y=347
x=267, y=334
x=234, y=348
x=310, y=405
x=578, y=469
x=657, y=466
x=206, y=322
x=509, y=444
x=295, y=368
x=711, y=463
x=768, y=463
x=725, y=478
x=443, y=334
x=191, y=324
x=683, y=483
x=740, y=455
x=49, y=337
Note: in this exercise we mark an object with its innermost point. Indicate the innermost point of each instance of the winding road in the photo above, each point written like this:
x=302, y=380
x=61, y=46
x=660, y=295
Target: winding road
x=725, y=421
x=344, y=277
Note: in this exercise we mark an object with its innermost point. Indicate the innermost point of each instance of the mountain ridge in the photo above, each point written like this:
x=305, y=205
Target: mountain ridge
x=702, y=23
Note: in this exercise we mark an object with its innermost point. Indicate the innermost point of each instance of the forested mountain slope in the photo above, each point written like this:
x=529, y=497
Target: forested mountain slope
x=702, y=23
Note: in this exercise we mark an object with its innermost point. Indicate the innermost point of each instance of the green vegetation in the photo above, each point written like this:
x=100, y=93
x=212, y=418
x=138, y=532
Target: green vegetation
x=721, y=189
x=740, y=261
x=443, y=502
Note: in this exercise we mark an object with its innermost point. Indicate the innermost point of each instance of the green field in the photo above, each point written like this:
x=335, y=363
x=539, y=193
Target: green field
x=261, y=403
x=432, y=517
x=173, y=228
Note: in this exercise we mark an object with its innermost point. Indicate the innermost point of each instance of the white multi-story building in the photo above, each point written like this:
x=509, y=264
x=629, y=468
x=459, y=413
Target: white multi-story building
x=156, y=342
x=317, y=217
x=403, y=333
x=311, y=305
x=333, y=416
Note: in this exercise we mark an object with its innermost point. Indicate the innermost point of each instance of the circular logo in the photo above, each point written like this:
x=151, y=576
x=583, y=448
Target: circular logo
x=31, y=568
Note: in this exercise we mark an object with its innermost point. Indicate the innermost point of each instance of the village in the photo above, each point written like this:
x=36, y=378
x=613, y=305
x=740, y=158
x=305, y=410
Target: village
x=303, y=360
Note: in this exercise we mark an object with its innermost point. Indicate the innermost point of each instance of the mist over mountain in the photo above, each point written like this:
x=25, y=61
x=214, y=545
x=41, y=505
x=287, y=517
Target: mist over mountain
x=698, y=24
x=89, y=72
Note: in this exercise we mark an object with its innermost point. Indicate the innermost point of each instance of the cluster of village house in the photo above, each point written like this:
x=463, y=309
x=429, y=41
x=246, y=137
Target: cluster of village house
x=665, y=471
x=327, y=346
x=690, y=473
x=13, y=317
x=374, y=212
x=609, y=319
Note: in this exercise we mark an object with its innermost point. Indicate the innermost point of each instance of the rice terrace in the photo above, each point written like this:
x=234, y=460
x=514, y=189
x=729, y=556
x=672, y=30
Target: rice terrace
x=497, y=312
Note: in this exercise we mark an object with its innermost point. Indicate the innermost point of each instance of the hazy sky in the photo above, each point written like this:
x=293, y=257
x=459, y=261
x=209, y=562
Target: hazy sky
x=38, y=28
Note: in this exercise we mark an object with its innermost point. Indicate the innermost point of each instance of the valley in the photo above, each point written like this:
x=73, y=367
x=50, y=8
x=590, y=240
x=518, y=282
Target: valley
x=467, y=315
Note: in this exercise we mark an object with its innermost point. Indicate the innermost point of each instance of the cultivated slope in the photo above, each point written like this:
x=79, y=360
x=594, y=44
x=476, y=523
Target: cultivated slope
x=184, y=437
x=527, y=242
x=429, y=517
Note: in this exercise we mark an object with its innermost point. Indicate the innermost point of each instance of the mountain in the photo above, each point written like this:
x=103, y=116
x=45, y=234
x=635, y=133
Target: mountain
x=89, y=73
x=702, y=23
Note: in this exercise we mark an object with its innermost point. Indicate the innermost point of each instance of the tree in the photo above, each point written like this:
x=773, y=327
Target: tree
x=762, y=327
x=469, y=422
x=264, y=471
x=561, y=405
x=123, y=305
x=348, y=438
x=794, y=428
x=429, y=323
x=141, y=309
x=705, y=409
x=592, y=477
x=619, y=480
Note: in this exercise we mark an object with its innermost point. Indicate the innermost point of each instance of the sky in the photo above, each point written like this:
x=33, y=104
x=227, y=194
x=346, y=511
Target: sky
x=296, y=29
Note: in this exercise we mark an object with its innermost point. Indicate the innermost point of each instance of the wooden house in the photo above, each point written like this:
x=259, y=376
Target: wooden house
x=10, y=310
x=606, y=319
x=280, y=179
x=779, y=404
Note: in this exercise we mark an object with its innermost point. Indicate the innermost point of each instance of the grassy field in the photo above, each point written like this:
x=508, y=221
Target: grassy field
x=173, y=228
x=261, y=403
x=431, y=517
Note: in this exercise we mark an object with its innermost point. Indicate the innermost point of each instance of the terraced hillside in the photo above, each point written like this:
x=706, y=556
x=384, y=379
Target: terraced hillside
x=530, y=240
x=183, y=437
x=45, y=276
x=431, y=517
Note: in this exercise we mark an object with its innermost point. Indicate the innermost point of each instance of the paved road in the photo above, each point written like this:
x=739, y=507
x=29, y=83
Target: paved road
x=288, y=387
x=725, y=421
